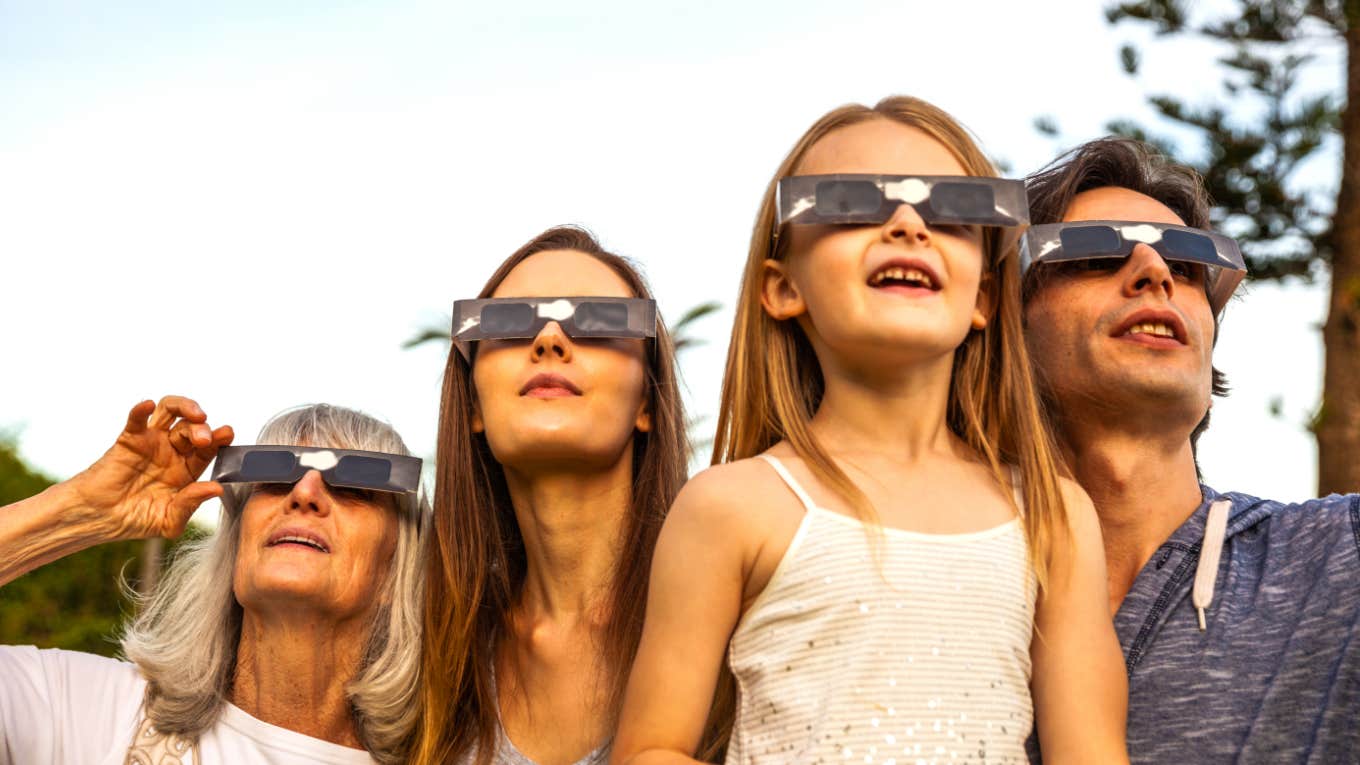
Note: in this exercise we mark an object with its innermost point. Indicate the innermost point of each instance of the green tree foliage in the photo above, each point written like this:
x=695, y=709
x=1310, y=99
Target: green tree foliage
x=1256, y=135
x=74, y=603
x=1261, y=129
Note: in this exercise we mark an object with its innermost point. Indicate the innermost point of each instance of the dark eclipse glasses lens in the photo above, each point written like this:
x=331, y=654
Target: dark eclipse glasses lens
x=267, y=467
x=350, y=468
x=848, y=198
x=362, y=471
x=1090, y=240
x=600, y=317
x=1190, y=246
x=507, y=317
x=588, y=316
x=962, y=200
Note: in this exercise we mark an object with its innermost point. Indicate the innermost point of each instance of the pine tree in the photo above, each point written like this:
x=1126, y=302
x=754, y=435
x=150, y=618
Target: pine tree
x=1251, y=168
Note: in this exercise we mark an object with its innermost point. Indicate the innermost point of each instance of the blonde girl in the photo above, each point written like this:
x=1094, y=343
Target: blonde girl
x=886, y=557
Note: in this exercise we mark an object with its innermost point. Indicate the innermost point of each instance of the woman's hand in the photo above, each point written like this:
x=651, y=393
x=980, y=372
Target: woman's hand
x=146, y=484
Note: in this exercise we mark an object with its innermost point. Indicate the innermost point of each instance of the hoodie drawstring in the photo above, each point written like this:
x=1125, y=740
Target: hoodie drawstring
x=1206, y=573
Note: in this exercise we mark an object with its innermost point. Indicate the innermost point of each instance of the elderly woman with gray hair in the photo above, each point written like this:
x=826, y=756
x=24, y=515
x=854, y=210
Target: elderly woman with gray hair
x=289, y=635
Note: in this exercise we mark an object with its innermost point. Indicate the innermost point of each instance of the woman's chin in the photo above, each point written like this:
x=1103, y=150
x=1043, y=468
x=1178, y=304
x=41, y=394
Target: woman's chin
x=573, y=451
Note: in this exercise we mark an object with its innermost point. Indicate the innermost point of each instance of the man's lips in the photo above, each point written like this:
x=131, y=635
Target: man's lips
x=547, y=385
x=1154, y=327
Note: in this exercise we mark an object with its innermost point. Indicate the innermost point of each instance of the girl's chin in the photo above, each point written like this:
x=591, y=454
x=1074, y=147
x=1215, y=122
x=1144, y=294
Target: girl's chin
x=897, y=343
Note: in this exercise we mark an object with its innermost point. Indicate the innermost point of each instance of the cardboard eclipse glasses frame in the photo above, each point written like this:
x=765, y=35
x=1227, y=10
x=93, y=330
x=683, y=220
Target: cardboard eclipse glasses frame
x=872, y=199
x=343, y=468
x=524, y=318
x=1224, y=266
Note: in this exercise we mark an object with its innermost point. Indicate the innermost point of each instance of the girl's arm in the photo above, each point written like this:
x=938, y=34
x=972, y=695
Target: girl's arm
x=1079, y=685
x=145, y=485
x=698, y=575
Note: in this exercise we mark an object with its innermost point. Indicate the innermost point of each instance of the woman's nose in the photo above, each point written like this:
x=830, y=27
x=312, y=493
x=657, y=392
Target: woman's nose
x=552, y=342
x=309, y=493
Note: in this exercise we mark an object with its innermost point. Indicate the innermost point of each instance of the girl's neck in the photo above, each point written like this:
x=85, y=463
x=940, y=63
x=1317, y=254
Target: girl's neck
x=898, y=413
x=571, y=522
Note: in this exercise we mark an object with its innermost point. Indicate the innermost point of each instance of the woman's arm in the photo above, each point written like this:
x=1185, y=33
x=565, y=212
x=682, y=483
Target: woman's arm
x=145, y=485
x=1079, y=685
x=698, y=573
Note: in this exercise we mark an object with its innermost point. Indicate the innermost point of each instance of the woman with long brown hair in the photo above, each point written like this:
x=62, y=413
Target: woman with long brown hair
x=561, y=445
x=887, y=558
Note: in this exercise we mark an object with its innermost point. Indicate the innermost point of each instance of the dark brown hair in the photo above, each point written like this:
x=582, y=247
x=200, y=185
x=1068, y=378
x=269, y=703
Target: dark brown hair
x=1125, y=163
x=477, y=564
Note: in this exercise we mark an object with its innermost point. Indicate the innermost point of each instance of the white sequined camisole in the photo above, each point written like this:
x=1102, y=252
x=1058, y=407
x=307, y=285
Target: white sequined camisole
x=920, y=655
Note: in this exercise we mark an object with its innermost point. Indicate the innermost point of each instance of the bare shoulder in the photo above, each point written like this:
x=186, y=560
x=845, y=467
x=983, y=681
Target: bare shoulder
x=1081, y=514
x=745, y=494
x=1085, y=549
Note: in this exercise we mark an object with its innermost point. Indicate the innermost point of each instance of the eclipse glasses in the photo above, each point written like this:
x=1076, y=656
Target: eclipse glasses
x=342, y=468
x=524, y=318
x=872, y=199
x=1224, y=267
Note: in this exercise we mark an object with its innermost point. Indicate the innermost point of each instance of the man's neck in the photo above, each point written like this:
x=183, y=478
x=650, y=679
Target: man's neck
x=1144, y=486
x=292, y=671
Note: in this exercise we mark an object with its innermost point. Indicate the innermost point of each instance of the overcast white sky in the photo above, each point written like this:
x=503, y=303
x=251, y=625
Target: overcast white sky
x=256, y=205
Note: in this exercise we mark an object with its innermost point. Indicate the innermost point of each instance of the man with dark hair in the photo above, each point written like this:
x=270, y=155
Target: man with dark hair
x=1239, y=617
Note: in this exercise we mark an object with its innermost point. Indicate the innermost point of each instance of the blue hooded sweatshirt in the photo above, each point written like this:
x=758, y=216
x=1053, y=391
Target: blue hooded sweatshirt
x=1275, y=676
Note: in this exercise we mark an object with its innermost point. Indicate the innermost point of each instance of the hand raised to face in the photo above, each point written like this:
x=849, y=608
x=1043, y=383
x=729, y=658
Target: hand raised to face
x=146, y=484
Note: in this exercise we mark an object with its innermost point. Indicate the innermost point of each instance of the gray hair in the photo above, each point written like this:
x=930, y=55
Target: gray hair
x=185, y=636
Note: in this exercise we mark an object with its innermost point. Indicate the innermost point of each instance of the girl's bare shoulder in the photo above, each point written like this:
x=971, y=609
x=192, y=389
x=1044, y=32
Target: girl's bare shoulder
x=745, y=494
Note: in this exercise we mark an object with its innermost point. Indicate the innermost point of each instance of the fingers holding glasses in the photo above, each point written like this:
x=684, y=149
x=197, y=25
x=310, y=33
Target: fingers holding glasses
x=185, y=502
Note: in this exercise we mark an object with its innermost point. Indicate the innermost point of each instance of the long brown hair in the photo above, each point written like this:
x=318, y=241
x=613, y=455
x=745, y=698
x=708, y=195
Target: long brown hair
x=477, y=564
x=773, y=384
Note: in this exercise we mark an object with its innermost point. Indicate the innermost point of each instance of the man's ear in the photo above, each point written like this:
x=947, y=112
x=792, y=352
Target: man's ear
x=985, y=307
x=778, y=294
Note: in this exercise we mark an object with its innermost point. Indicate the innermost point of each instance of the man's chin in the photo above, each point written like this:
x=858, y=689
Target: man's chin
x=1144, y=393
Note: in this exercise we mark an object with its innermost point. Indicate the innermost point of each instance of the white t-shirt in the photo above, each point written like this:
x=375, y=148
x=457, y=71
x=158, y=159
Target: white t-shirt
x=70, y=708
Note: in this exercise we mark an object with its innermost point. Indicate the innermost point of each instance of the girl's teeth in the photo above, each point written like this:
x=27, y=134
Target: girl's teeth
x=902, y=275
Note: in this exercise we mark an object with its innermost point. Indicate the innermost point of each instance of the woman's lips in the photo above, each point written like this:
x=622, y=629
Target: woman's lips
x=549, y=386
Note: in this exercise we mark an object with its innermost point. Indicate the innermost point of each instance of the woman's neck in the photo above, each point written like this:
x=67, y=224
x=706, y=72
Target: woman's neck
x=571, y=522
x=292, y=670
x=898, y=412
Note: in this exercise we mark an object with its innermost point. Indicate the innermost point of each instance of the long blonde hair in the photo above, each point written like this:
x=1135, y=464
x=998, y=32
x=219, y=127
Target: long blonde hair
x=773, y=384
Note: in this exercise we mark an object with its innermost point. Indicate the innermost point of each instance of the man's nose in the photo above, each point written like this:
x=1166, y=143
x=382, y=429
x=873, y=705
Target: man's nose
x=1146, y=270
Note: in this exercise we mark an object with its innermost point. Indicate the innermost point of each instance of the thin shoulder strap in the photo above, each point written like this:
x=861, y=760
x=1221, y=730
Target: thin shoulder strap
x=1018, y=490
x=783, y=472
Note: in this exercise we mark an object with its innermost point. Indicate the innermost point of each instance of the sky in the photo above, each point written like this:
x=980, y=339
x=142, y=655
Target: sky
x=256, y=205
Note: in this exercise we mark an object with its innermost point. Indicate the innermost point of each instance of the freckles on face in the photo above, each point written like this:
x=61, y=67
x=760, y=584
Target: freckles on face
x=558, y=399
